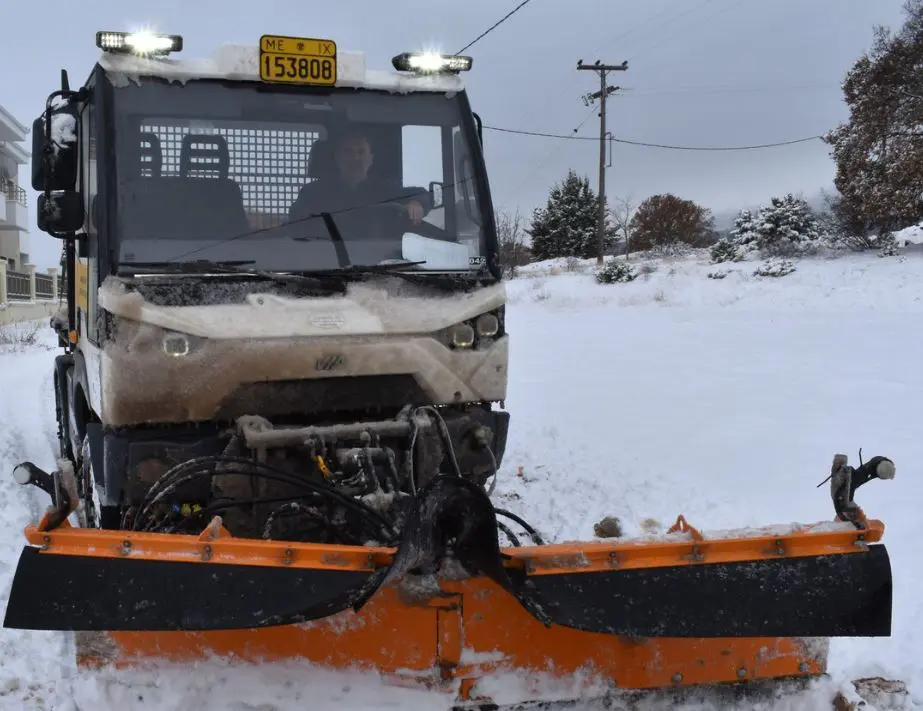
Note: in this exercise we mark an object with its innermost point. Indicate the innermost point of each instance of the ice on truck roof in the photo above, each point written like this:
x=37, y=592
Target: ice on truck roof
x=129, y=56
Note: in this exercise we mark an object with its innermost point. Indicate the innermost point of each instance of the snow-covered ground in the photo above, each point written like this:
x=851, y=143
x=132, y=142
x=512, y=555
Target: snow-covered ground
x=722, y=399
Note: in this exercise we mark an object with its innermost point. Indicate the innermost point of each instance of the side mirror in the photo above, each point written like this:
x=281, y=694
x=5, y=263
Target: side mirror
x=59, y=173
x=61, y=212
x=435, y=191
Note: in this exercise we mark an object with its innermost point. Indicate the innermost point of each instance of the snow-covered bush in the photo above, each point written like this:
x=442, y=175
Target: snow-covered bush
x=726, y=250
x=718, y=274
x=615, y=272
x=775, y=267
x=888, y=246
x=19, y=334
x=786, y=226
x=671, y=250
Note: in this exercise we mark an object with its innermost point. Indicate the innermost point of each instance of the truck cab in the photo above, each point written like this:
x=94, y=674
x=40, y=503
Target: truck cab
x=219, y=266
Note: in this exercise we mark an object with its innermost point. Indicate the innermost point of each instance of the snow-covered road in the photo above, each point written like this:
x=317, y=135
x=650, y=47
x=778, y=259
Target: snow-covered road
x=724, y=400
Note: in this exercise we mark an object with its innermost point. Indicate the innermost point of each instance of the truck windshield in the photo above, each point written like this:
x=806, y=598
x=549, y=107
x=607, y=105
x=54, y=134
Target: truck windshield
x=220, y=171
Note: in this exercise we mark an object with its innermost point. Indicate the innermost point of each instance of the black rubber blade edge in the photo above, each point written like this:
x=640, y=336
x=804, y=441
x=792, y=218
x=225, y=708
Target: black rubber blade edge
x=87, y=593
x=846, y=595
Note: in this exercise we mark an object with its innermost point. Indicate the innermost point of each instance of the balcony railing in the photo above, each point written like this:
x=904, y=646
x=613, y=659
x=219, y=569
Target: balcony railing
x=13, y=192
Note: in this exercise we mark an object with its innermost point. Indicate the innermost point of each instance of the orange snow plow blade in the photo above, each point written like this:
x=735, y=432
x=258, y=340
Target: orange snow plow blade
x=644, y=614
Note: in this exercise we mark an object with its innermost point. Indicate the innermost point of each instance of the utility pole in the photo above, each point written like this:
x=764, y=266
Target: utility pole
x=604, y=91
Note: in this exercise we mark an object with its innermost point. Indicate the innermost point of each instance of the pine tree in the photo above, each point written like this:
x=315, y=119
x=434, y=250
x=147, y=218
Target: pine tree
x=745, y=228
x=786, y=221
x=567, y=225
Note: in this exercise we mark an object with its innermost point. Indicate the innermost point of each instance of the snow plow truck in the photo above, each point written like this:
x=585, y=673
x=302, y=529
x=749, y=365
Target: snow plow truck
x=280, y=402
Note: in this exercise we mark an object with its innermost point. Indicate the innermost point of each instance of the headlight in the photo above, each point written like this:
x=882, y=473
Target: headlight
x=487, y=325
x=431, y=63
x=175, y=345
x=475, y=333
x=463, y=336
x=138, y=337
x=140, y=43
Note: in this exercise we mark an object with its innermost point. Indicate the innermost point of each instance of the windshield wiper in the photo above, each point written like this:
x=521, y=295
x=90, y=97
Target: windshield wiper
x=197, y=266
x=193, y=266
x=335, y=236
x=389, y=267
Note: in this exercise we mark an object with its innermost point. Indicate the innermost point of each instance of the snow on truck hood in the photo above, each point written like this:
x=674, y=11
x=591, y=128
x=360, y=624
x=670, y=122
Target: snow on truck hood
x=380, y=307
x=241, y=63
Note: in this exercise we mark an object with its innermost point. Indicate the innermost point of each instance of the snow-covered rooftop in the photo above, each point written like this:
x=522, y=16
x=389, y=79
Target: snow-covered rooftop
x=241, y=63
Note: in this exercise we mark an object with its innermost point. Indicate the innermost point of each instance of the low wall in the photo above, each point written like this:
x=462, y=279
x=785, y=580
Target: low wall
x=27, y=295
x=15, y=311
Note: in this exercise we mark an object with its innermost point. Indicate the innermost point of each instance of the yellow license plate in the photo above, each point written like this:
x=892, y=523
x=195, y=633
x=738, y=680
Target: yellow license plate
x=298, y=60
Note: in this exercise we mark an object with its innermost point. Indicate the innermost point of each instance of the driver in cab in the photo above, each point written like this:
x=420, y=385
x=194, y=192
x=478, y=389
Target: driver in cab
x=344, y=188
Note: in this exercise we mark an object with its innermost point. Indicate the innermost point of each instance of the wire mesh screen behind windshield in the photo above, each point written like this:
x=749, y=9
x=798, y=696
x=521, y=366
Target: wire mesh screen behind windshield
x=269, y=163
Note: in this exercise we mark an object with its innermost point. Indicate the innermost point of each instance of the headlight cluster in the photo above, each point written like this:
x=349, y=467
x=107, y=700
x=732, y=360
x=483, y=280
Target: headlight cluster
x=144, y=337
x=477, y=331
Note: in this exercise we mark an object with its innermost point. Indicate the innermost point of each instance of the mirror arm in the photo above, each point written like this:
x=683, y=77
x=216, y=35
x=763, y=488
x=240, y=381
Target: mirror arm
x=70, y=252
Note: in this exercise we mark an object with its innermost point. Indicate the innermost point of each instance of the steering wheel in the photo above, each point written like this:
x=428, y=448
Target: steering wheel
x=398, y=220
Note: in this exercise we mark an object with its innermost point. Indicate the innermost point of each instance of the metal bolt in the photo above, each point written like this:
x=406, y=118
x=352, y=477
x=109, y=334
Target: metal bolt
x=677, y=678
x=207, y=552
x=803, y=667
x=741, y=672
x=126, y=547
x=287, y=557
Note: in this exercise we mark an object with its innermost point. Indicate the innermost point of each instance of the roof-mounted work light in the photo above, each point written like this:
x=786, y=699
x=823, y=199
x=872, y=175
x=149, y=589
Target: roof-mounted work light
x=141, y=43
x=431, y=63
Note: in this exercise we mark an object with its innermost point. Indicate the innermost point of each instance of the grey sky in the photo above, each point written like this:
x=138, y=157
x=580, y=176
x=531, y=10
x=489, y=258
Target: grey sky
x=702, y=73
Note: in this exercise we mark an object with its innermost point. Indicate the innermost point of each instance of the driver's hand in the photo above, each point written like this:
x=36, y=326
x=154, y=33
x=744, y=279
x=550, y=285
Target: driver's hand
x=415, y=211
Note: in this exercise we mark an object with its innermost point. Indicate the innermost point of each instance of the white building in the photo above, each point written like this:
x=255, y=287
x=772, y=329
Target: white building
x=14, y=223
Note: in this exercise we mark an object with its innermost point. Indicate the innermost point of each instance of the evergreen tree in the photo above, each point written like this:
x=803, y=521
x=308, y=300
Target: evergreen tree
x=745, y=228
x=786, y=221
x=567, y=225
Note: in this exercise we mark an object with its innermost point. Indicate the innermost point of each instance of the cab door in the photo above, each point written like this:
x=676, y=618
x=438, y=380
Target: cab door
x=86, y=272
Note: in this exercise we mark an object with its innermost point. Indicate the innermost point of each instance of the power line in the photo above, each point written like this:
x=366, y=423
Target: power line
x=665, y=37
x=610, y=41
x=551, y=154
x=630, y=31
x=653, y=145
x=495, y=25
x=632, y=92
x=668, y=37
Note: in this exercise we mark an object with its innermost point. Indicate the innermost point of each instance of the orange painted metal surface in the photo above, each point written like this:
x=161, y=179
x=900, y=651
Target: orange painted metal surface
x=475, y=629
x=216, y=547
